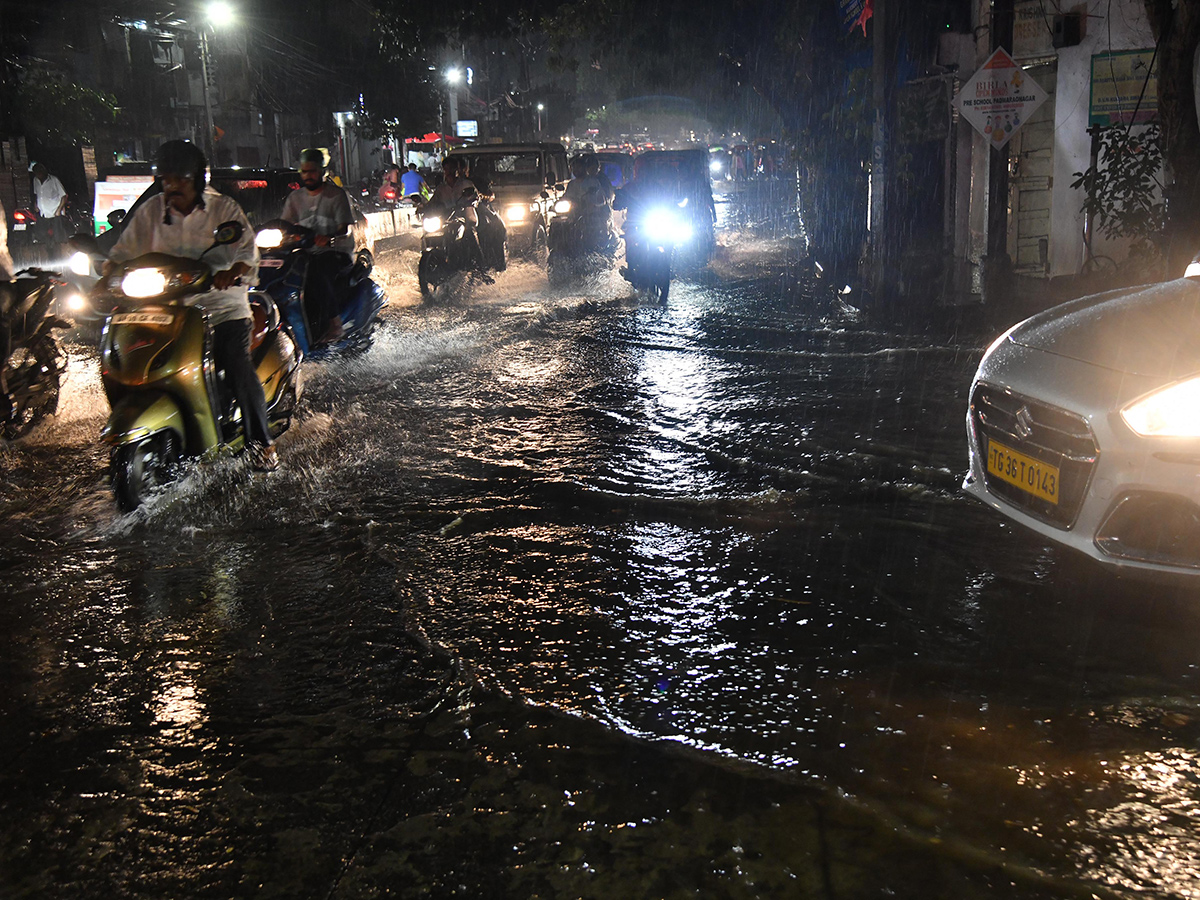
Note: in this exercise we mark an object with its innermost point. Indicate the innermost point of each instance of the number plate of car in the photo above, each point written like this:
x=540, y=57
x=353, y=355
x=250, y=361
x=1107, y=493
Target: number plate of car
x=142, y=318
x=1030, y=475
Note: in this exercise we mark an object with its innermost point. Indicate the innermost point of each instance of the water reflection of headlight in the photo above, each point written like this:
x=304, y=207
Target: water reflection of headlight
x=143, y=283
x=80, y=263
x=269, y=238
x=516, y=213
x=431, y=224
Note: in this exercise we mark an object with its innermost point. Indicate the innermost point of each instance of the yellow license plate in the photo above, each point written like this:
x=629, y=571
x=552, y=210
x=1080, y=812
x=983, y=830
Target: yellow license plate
x=1031, y=475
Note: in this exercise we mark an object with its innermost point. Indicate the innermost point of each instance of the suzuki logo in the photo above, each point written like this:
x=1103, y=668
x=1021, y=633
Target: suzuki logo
x=1024, y=423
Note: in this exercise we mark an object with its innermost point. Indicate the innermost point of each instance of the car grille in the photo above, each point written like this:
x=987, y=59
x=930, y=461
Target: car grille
x=1046, y=433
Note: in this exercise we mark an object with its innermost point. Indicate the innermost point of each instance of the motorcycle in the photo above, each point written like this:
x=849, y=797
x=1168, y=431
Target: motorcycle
x=32, y=358
x=445, y=242
x=651, y=236
x=581, y=241
x=168, y=399
x=285, y=251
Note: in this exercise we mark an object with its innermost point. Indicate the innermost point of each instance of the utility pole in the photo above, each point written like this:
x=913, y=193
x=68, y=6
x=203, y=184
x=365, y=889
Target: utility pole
x=996, y=263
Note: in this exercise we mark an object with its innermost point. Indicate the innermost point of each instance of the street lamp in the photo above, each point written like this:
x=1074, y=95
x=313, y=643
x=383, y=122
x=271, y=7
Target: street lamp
x=220, y=14
x=540, y=107
x=453, y=77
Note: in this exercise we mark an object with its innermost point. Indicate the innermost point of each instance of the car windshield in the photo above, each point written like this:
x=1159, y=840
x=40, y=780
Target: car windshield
x=508, y=168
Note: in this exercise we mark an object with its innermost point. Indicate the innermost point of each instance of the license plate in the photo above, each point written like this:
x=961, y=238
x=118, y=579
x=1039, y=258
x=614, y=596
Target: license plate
x=1030, y=475
x=18, y=227
x=270, y=263
x=143, y=318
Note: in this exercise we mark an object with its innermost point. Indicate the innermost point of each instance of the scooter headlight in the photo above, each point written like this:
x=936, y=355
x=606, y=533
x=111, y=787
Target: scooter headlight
x=141, y=283
x=80, y=263
x=269, y=238
x=664, y=226
x=562, y=207
x=1171, y=412
x=76, y=302
x=432, y=224
x=516, y=213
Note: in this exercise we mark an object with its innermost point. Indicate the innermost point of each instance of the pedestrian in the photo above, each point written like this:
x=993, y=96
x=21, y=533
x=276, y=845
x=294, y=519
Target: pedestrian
x=6, y=263
x=50, y=202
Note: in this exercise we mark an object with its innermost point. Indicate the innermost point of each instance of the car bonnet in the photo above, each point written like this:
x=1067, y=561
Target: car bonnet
x=1152, y=331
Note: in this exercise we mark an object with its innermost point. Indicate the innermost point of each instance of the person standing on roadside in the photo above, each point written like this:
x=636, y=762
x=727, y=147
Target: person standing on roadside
x=50, y=198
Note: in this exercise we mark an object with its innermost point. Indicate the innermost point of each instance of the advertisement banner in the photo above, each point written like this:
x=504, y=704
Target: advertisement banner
x=1124, y=88
x=999, y=98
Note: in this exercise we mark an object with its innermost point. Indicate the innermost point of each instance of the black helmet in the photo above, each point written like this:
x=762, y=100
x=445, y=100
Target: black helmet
x=181, y=158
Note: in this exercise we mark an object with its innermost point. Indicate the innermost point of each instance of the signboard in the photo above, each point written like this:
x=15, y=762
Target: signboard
x=1033, y=30
x=1124, y=88
x=466, y=128
x=999, y=98
x=113, y=195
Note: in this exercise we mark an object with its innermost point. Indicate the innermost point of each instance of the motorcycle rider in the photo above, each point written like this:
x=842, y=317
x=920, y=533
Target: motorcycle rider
x=325, y=208
x=590, y=195
x=448, y=195
x=50, y=199
x=181, y=221
x=413, y=183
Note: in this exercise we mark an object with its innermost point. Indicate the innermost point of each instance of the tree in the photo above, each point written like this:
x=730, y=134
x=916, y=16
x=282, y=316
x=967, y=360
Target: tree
x=1176, y=25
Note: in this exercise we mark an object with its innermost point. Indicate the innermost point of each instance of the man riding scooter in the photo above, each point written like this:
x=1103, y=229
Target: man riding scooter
x=325, y=208
x=181, y=221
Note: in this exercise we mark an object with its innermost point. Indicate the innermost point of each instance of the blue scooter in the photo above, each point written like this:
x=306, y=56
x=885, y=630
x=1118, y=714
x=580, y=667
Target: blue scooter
x=285, y=251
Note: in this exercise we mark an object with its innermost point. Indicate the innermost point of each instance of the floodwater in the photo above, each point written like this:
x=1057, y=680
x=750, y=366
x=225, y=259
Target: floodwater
x=566, y=594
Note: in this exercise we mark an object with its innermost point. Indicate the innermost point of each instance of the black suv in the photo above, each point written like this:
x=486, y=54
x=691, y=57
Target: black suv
x=526, y=180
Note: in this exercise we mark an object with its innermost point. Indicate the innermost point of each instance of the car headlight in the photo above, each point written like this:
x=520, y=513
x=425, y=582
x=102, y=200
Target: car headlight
x=516, y=213
x=1171, y=412
x=431, y=224
x=562, y=207
x=140, y=283
x=80, y=263
x=269, y=238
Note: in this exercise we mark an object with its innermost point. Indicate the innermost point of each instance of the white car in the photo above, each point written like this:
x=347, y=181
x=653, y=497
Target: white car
x=1084, y=425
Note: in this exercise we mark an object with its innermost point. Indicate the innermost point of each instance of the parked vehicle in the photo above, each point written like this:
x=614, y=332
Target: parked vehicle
x=285, y=252
x=526, y=180
x=168, y=400
x=1084, y=426
x=446, y=248
x=31, y=357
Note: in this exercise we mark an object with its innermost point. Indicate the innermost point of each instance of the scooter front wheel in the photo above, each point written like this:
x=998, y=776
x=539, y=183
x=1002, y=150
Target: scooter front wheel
x=142, y=467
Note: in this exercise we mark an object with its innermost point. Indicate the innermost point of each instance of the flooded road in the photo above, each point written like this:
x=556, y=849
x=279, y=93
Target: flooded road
x=563, y=594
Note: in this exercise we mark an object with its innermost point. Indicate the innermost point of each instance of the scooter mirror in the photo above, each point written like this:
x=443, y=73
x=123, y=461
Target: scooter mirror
x=228, y=233
x=116, y=217
x=83, y=243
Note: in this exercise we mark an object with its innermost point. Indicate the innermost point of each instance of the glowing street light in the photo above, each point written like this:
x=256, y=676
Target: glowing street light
x=540, y=107
x=453, y=78
x=220, y=14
